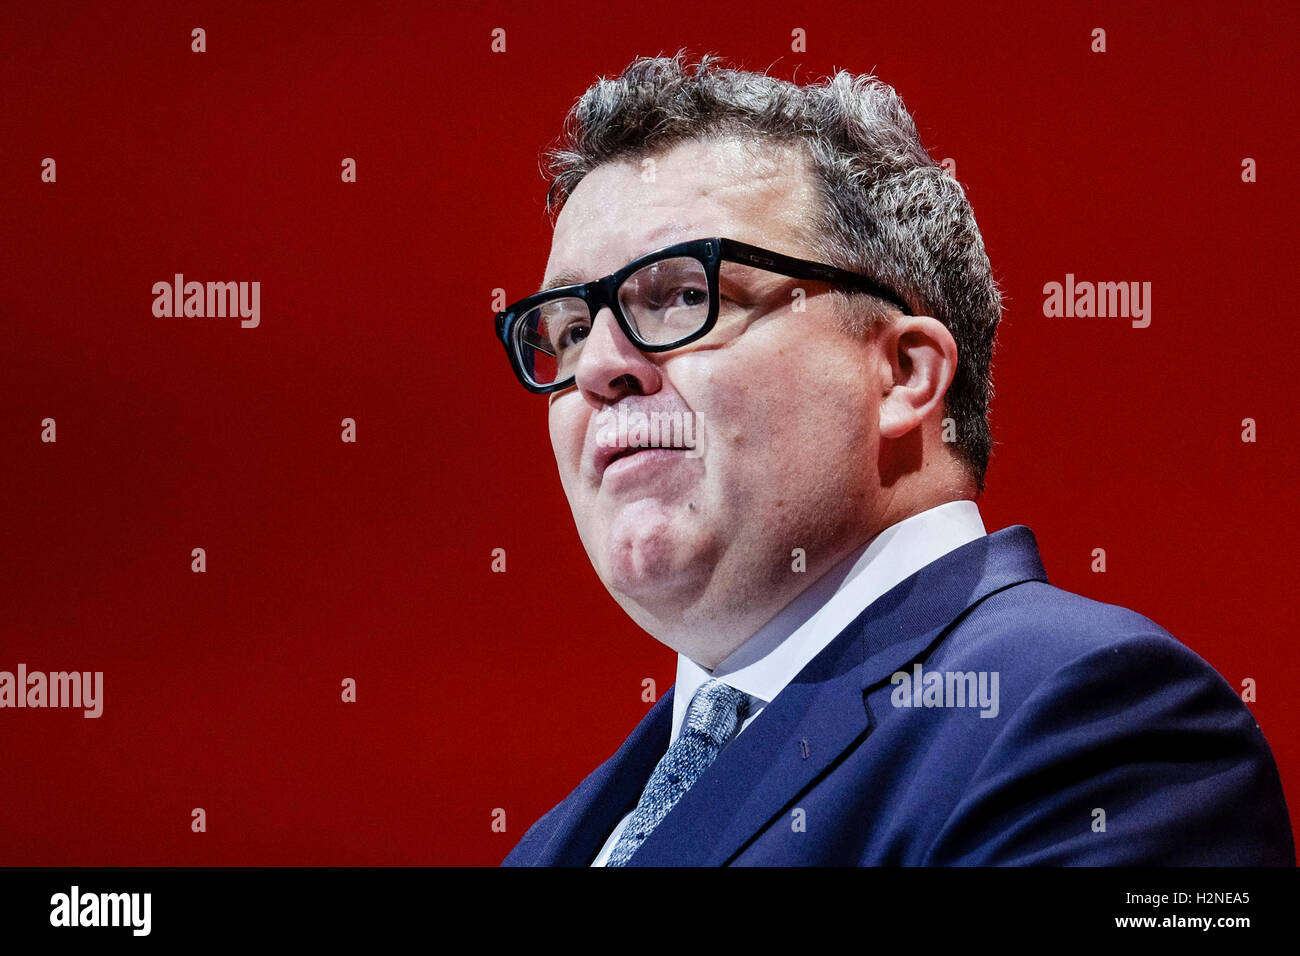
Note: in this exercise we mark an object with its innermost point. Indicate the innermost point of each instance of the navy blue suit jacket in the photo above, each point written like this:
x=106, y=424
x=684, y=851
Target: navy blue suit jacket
x=1100, y=711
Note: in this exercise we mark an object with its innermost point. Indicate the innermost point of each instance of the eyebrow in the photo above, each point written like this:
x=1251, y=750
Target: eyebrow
x=666, y=231
x=563, y=279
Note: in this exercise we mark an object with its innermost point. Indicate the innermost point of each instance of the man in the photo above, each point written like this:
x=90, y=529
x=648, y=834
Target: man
x=785, y=283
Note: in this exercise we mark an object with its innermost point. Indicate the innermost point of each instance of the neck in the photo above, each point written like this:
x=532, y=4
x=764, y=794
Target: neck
x=725, y=615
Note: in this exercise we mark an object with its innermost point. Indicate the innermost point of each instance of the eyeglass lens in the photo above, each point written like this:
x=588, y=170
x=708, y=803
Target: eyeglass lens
x=664, y=302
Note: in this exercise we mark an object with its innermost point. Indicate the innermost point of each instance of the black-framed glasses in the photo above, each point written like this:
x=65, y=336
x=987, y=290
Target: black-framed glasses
x=661, y=301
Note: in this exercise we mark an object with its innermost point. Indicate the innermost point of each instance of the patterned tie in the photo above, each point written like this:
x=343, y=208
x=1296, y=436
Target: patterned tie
x=715, y=713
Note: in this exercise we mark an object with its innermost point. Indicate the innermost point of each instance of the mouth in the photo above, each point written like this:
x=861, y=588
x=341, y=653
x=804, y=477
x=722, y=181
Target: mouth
x=620, y=453
x=643, y=435
x=608, y=458
x=631, y=460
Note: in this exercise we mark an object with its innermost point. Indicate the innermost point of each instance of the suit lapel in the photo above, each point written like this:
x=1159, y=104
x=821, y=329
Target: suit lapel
x=612, y=789
x=821, y=713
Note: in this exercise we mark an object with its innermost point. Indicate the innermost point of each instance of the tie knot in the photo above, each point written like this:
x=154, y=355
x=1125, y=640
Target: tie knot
x=716, y=710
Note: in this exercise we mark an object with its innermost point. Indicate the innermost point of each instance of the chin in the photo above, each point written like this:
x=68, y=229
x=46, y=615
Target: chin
x=652, y=561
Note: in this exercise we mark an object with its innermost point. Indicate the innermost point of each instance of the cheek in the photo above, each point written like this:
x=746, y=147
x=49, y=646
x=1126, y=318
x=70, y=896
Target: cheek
x=567, y=426
x=776, y=396
x=794, y=426
x=750, y=428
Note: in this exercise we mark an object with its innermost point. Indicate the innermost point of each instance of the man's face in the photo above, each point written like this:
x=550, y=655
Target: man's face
x=697, y=545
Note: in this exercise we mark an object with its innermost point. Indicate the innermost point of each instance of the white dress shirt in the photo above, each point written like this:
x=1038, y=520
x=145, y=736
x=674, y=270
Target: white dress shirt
x=780, y=649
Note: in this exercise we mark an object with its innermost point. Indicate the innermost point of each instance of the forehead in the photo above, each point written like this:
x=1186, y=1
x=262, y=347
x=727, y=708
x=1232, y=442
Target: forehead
x=753, y=191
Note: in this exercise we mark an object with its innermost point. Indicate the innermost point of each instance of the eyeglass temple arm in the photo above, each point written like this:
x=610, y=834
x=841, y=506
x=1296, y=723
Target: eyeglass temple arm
x=803, y=269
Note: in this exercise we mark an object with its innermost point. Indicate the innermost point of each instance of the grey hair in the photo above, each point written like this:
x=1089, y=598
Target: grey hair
x=889, y=210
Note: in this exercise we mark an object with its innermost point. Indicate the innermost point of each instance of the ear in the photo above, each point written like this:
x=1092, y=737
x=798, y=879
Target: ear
x=922, y=358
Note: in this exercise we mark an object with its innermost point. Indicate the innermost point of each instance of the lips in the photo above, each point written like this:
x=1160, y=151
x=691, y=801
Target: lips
x=607, y=456
x=641, y=457
x=619, y=453
x=608, y=439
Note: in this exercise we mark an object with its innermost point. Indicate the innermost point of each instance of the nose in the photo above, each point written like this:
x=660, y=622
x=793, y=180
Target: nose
x=611, y=367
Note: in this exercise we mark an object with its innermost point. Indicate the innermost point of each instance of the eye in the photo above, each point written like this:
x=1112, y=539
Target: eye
x=571, y=334
x=678, y=297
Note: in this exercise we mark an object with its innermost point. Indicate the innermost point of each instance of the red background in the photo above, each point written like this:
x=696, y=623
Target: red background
x=372, y=560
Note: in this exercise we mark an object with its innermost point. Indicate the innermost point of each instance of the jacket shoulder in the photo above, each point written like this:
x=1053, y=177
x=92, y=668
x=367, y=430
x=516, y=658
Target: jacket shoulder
x=1038, y=623
x=1116, y=743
